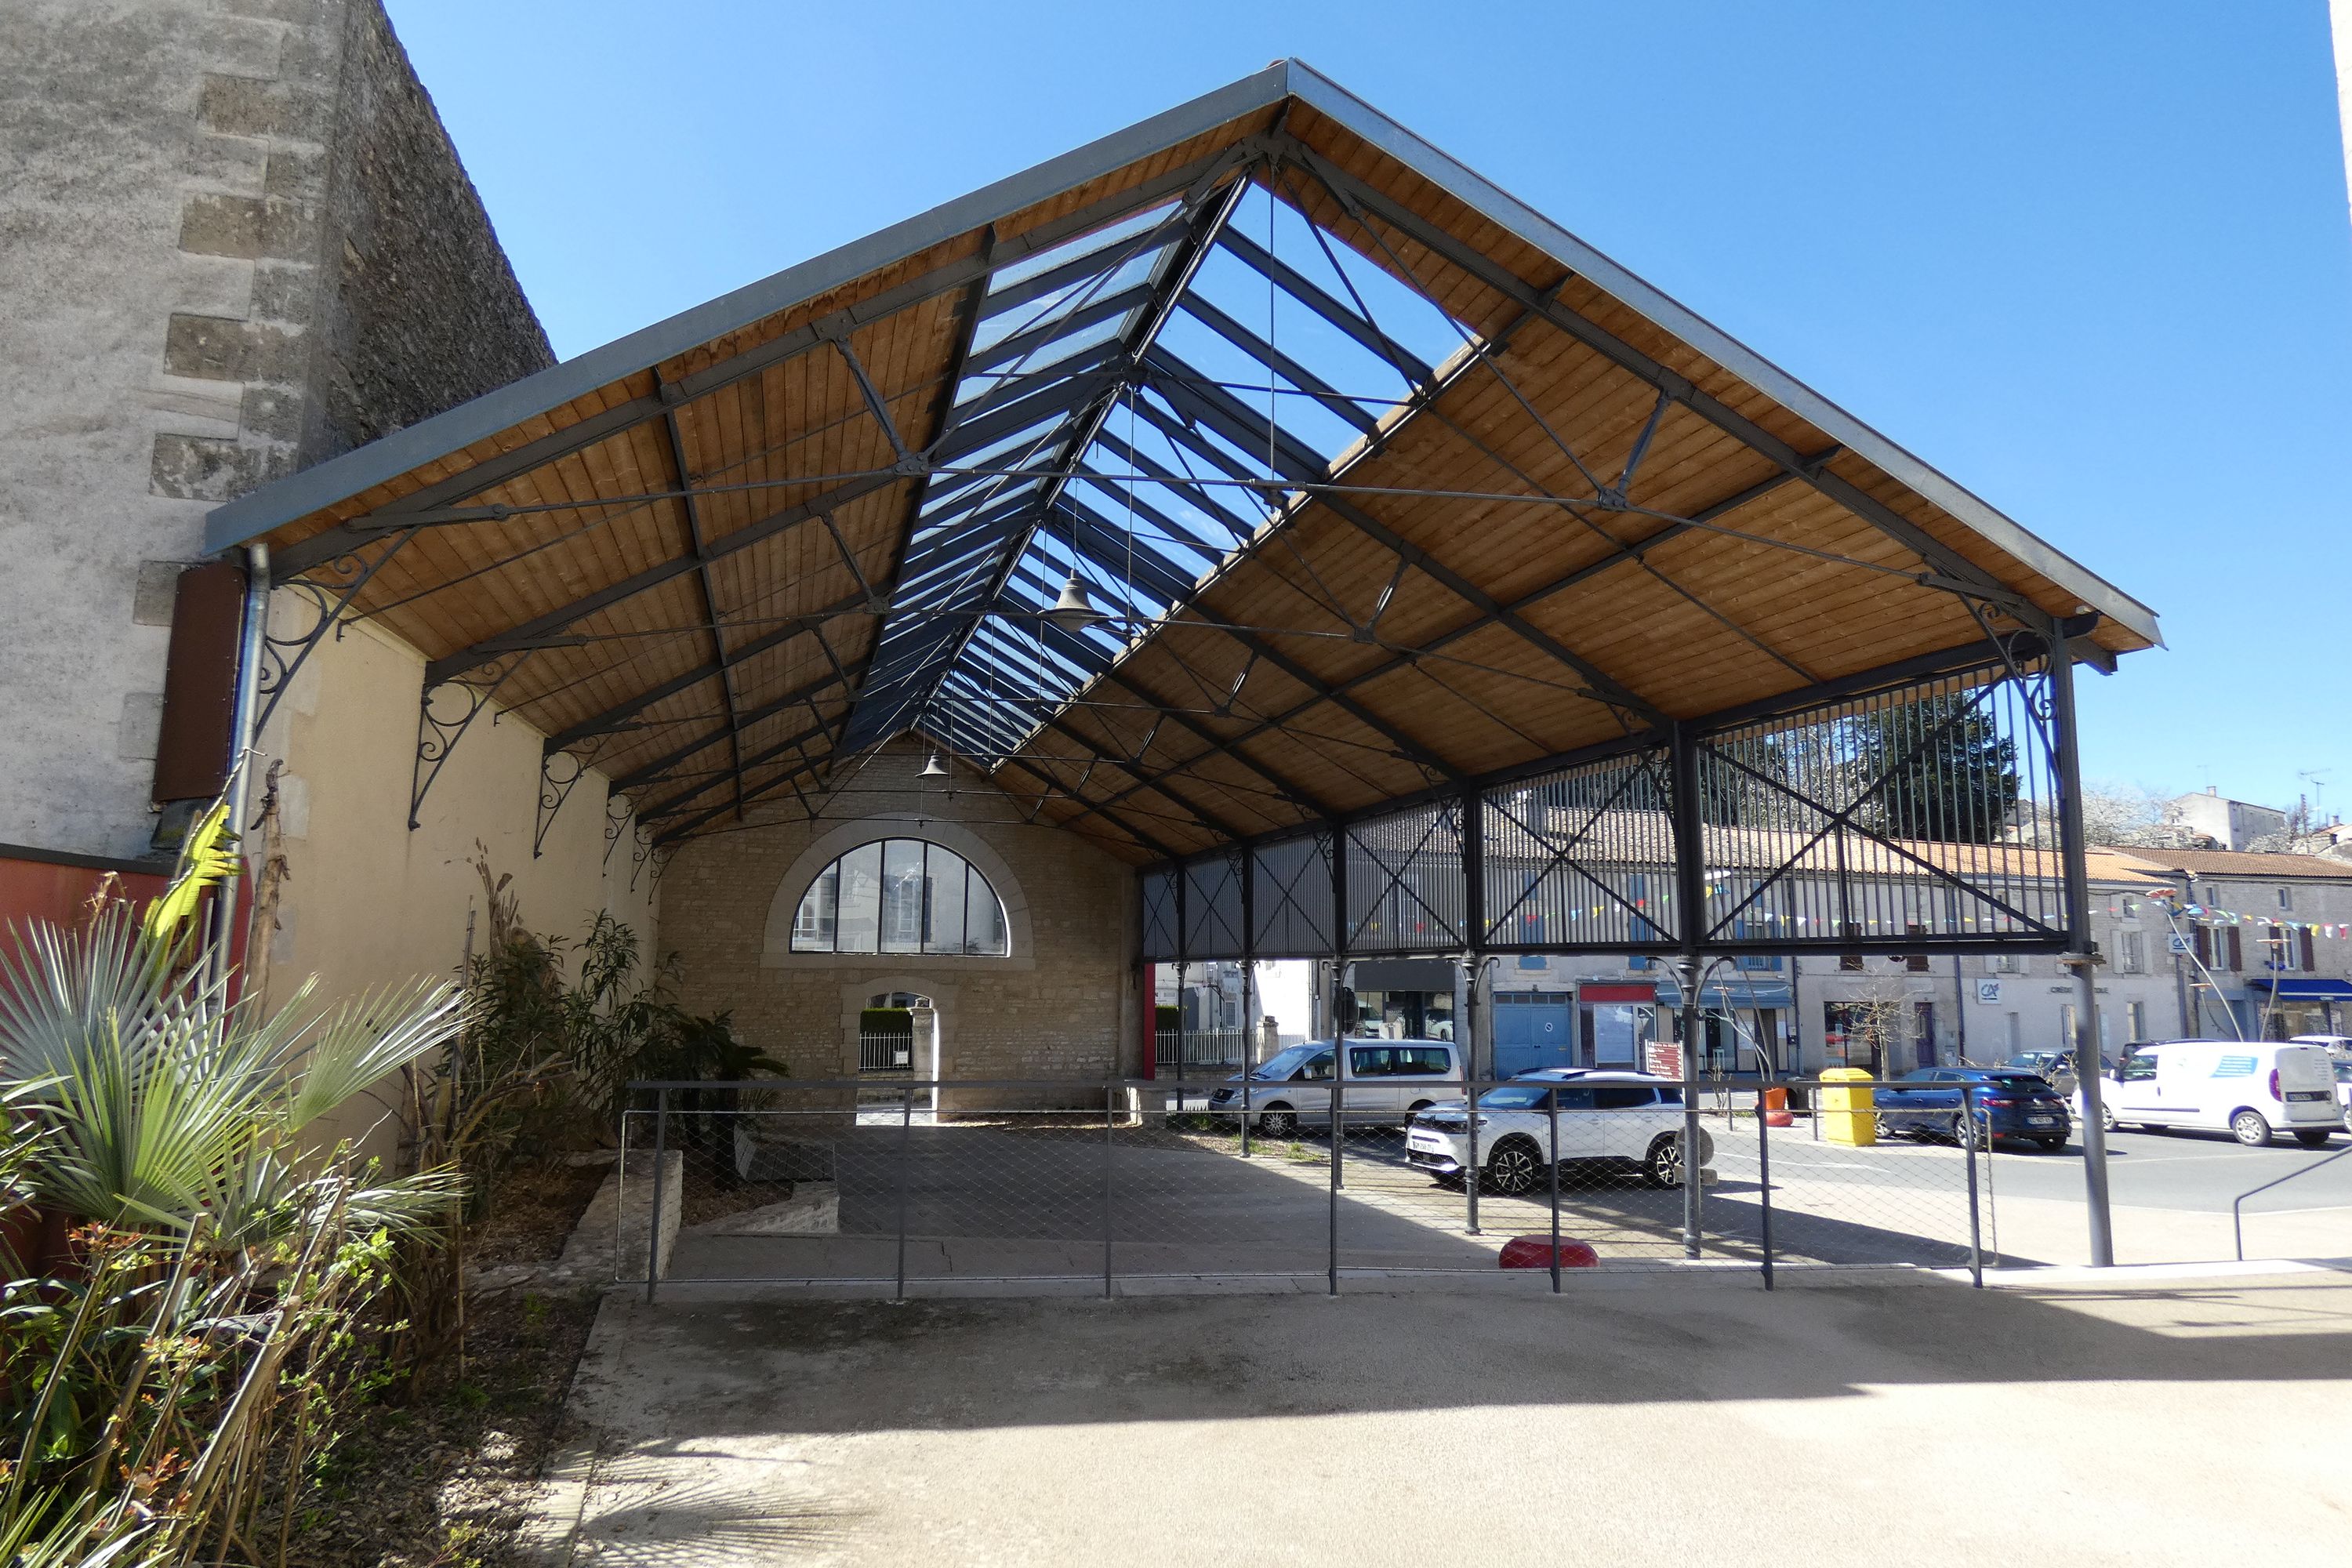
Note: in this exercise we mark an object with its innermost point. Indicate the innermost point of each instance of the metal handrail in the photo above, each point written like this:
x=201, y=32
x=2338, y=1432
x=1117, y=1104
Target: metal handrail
x=2237, y=1219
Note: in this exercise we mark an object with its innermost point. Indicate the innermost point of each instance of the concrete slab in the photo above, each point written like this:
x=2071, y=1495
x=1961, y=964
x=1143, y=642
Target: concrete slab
x=2195, y=1421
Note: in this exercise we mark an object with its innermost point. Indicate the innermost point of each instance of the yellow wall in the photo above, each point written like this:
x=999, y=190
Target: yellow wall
x=366, y=900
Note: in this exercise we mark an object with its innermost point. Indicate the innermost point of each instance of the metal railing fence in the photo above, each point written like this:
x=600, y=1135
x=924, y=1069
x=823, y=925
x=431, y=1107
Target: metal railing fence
x=860, y=1188
x=1193, y=1053
x=886, y=1051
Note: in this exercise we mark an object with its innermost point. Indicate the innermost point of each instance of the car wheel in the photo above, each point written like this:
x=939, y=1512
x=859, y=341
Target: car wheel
x=1277, y=1120
x=1416, y=1108
x=2250, y=1128
x=1967, y=1133
x=1662, y=1165
x=1515, y=1167
x=2107, y=1116
x=2312, y=1137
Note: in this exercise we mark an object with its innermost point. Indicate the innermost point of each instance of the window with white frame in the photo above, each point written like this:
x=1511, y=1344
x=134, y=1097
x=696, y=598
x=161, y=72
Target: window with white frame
x=901, y=895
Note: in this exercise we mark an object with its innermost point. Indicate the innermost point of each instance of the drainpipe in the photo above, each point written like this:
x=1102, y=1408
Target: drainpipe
x=241, y=739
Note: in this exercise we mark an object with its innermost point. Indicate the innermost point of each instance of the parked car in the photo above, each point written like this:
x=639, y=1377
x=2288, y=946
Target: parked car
x=2058, y=1066
x=1382, y=1083
x=1976, y=1106
x=2344, y=1088
x=1630, y=1121
x=2248, y=1087
x=2336, y=1045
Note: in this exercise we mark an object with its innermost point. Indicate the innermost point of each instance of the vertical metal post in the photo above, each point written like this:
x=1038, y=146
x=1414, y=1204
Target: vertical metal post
x=1249, y=1035
x=1470, y=1131
x=1551, y=1115
x=1690, y=922
x=252, y=634
x=1764, y=1181
x=1183, y=975
x=1690, y=1160
x=1969, y=1148
x=661, y=1158
x=906, y=1136
x=2081, y=952
x=1111, y=1097
x=1338, y=1109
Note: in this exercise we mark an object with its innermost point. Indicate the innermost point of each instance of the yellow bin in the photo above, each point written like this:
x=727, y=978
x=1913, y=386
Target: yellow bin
x=1848, y=1115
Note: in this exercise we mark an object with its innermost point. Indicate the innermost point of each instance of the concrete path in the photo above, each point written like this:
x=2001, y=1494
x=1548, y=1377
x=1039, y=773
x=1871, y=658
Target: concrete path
x=2195, y=1421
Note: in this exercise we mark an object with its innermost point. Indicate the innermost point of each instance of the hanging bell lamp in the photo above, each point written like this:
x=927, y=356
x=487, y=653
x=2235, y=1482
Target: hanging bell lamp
x=1074, y=612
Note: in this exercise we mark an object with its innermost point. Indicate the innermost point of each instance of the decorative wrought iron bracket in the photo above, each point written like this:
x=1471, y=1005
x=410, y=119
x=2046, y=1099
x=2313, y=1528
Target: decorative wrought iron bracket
x=560, y=773
x=328, y=589
x=445, y=711
x=616, y=822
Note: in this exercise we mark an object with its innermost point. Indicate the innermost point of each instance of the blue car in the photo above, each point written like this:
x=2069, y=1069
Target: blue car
x=2006, y=1104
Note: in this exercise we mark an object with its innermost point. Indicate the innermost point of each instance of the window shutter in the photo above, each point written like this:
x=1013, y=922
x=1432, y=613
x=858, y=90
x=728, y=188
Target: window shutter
x=2202, y=938
x=2308, y=965
x=2237, y=950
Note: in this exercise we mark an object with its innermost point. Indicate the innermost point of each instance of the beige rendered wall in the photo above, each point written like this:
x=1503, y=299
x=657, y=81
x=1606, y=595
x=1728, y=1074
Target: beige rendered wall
x=1063, y=1006
x=366, y=902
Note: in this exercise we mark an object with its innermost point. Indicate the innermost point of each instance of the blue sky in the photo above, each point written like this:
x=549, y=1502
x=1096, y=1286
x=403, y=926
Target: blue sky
x=2091, y=260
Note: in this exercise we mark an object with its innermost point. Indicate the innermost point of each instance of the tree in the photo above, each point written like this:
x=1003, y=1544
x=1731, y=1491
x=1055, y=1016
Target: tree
x=1943, y=769
x=2120, y=814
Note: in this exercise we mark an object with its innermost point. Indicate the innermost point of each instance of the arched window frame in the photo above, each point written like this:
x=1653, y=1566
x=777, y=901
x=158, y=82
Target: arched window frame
x=902, y=925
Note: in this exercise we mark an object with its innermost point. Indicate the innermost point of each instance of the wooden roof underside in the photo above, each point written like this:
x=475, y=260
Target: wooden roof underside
x=676, y=555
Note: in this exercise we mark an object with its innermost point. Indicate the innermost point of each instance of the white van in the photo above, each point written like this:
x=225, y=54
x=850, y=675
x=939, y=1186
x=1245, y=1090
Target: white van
x=2248, y=1087
x=1385, y=1083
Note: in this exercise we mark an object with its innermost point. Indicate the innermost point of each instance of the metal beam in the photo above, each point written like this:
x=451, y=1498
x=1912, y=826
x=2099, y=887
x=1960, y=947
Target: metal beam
x=654, y=576
x=1304, y=290
x=1358, y=198
x=1232, y=420
x=697, y=545
x=766, y=710
x=547, y=393
x=1208, y=207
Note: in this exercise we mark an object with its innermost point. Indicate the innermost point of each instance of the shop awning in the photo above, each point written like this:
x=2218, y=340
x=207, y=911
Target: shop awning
x=1730, y=994
x=2314, y=989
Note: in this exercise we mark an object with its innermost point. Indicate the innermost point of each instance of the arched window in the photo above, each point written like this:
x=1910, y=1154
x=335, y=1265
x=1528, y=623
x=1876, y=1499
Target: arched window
x=900, y=895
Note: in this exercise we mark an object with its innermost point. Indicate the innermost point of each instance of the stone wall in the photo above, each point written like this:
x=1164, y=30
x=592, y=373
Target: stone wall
x=237, y=241
x=1063, y=1006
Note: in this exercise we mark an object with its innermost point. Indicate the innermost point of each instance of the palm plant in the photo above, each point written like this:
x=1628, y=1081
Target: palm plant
x=163, y=1101
x=163, y=1389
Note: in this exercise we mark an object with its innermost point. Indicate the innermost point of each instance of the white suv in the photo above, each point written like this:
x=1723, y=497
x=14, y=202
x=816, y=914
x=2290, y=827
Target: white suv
x=1624, y=1118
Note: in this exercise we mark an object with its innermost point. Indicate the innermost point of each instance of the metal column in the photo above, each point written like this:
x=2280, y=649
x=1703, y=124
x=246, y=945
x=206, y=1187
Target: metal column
x=2082, y=955
x=1690, y=920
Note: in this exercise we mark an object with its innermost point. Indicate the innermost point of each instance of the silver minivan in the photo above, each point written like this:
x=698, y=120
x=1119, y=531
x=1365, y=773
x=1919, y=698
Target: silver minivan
x=1382, y=1083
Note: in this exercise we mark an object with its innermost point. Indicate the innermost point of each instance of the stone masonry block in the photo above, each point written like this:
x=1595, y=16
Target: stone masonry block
x=220, y=348
x=216, y=225
x=274, y=413
x=211, y=348
x=136, y=731
x=241, y=105
x=200, y=468
x=289, y=228
x=159, y=585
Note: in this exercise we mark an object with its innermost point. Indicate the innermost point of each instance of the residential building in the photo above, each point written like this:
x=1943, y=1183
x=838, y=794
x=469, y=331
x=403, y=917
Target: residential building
x=2229, y=824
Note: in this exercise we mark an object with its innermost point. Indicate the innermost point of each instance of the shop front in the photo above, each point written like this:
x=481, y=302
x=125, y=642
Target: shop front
x=2305, y=1004
x=1403, y=998
x=1744, y=1024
